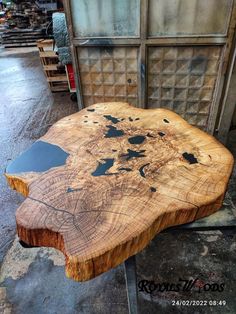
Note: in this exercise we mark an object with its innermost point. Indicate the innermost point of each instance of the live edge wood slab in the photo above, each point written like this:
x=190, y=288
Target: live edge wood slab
x=104, y=181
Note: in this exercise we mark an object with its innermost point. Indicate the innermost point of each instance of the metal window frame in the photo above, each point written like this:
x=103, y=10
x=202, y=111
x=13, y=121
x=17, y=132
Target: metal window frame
x=143, y=42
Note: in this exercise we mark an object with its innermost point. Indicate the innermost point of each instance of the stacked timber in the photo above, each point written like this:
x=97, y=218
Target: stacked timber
x=22, y=37
x=26, y=22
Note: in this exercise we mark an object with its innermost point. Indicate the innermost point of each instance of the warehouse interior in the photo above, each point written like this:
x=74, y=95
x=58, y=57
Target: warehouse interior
x=39, y=86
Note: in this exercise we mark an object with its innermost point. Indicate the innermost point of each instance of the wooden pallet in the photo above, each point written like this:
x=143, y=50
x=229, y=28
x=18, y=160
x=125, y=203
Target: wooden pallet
x=55, y=73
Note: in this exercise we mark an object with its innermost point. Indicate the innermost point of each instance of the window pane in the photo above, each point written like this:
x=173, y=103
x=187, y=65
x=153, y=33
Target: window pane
x=108, y=74
x=188, y=17
x=105, y=18
x=183, y=79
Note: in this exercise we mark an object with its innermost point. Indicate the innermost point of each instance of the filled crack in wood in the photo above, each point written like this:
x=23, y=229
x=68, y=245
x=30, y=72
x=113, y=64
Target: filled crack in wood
x=190, y=158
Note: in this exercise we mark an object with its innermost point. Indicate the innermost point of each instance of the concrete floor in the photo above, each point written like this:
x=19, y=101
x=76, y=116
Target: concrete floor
x=33, y=280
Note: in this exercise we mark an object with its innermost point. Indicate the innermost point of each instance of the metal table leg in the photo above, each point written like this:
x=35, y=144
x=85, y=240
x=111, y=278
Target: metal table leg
x=131, y=284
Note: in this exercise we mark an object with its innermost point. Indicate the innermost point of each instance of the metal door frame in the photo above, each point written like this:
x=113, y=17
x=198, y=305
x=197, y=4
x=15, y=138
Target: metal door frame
x=143, y=42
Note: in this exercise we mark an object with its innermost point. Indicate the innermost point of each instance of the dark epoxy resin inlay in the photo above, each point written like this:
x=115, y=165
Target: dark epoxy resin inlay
x=113, y=132
x=134, y=154
x=91, y=110
x=133, y=119
x=125, y=169
x=69, y=190
x=190, y=158
x=141, y=170
x=161, y=134
x=112, y=119
x=102, y=168
x=153, y=189
x=166, y=121
x=139, y=139
x=40, y=157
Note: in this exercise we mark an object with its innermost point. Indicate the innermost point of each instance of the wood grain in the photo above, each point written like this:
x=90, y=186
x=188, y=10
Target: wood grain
x=104, y=181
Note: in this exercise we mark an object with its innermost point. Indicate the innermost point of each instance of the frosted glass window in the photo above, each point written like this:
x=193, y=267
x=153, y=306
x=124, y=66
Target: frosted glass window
x=183, y=79
x=188, y=17
x=105, y=18
x=109, y=74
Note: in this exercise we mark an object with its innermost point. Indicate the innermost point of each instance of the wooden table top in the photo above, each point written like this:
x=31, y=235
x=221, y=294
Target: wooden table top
x=101, y=183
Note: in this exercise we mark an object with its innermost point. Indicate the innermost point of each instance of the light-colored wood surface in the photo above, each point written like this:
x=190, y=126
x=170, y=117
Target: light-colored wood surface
x=120, y=176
